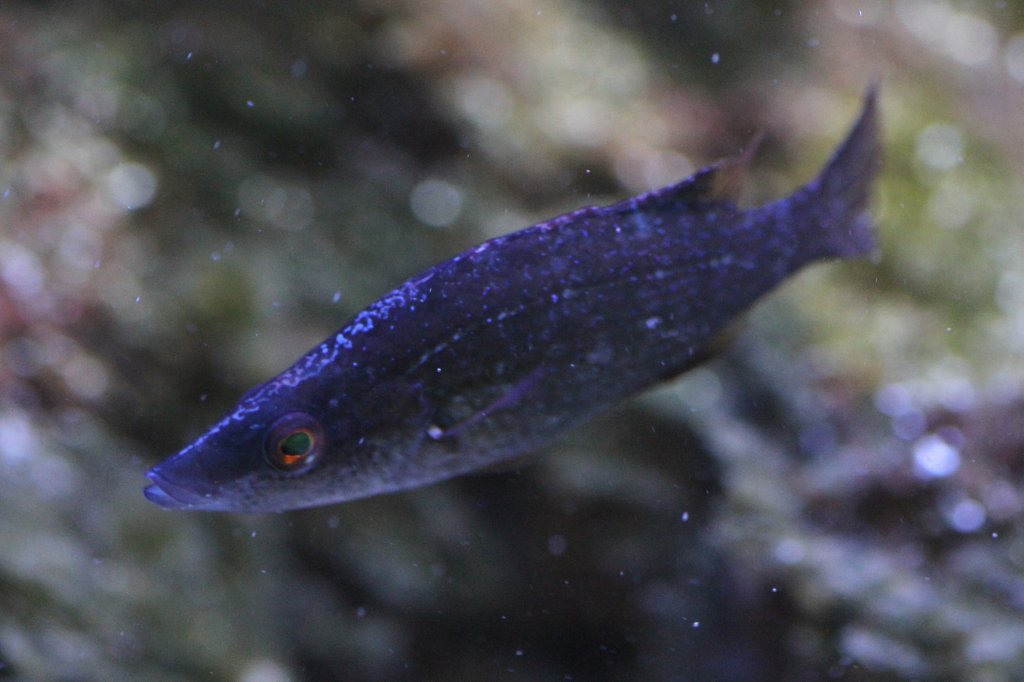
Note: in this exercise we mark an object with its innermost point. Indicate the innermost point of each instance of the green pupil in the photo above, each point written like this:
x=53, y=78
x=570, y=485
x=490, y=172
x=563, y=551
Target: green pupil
x=299, y=443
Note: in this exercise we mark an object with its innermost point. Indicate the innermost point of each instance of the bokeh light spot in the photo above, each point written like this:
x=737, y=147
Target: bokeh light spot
x=940, y=146
x=436, y=202
x=131, y=185
x=934, y=457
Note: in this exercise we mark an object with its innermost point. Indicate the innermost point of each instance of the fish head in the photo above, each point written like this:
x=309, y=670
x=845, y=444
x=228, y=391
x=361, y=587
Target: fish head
x=271, y=453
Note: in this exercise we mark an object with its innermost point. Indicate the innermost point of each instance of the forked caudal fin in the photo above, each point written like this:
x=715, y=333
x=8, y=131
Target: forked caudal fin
x=831, y=210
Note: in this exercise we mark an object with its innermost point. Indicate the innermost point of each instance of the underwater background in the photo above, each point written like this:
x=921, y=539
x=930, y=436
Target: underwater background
x=192, y=195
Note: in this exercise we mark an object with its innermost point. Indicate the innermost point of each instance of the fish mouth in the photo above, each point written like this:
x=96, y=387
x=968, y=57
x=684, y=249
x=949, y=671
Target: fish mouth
x=169, y=495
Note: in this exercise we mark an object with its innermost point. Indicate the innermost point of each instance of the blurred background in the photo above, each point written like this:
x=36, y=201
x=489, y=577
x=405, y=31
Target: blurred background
x=193, y=195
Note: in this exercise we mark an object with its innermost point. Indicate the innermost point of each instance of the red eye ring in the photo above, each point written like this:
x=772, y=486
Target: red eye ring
x=294, y=443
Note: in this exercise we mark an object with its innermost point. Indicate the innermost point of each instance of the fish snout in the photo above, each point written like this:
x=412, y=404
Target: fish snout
x=171, y=490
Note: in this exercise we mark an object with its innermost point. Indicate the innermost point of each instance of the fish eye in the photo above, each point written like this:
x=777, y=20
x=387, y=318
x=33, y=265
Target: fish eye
x=294, y=443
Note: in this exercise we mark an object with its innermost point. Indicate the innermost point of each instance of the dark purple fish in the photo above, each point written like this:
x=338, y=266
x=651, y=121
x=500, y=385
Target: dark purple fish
x=489, y=355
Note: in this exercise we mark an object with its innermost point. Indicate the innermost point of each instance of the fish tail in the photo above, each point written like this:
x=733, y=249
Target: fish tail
x=831, y=210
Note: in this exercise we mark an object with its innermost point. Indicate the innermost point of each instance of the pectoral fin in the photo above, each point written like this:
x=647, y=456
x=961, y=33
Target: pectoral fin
x=512, y=397
x=509, y=465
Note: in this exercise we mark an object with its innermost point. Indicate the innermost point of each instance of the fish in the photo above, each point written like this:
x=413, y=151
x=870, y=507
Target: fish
x=490, y=355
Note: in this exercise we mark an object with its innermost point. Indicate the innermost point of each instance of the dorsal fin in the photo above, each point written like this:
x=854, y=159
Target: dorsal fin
x=730, y=173
x=721, y=181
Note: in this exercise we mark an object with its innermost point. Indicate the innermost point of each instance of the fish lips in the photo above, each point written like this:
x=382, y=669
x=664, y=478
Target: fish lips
x=168, y=495
x=181, y=483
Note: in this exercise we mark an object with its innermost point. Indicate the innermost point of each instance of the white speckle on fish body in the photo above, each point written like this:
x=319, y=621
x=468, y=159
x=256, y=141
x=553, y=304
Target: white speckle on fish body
x=653, y=322
x=244, y=408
